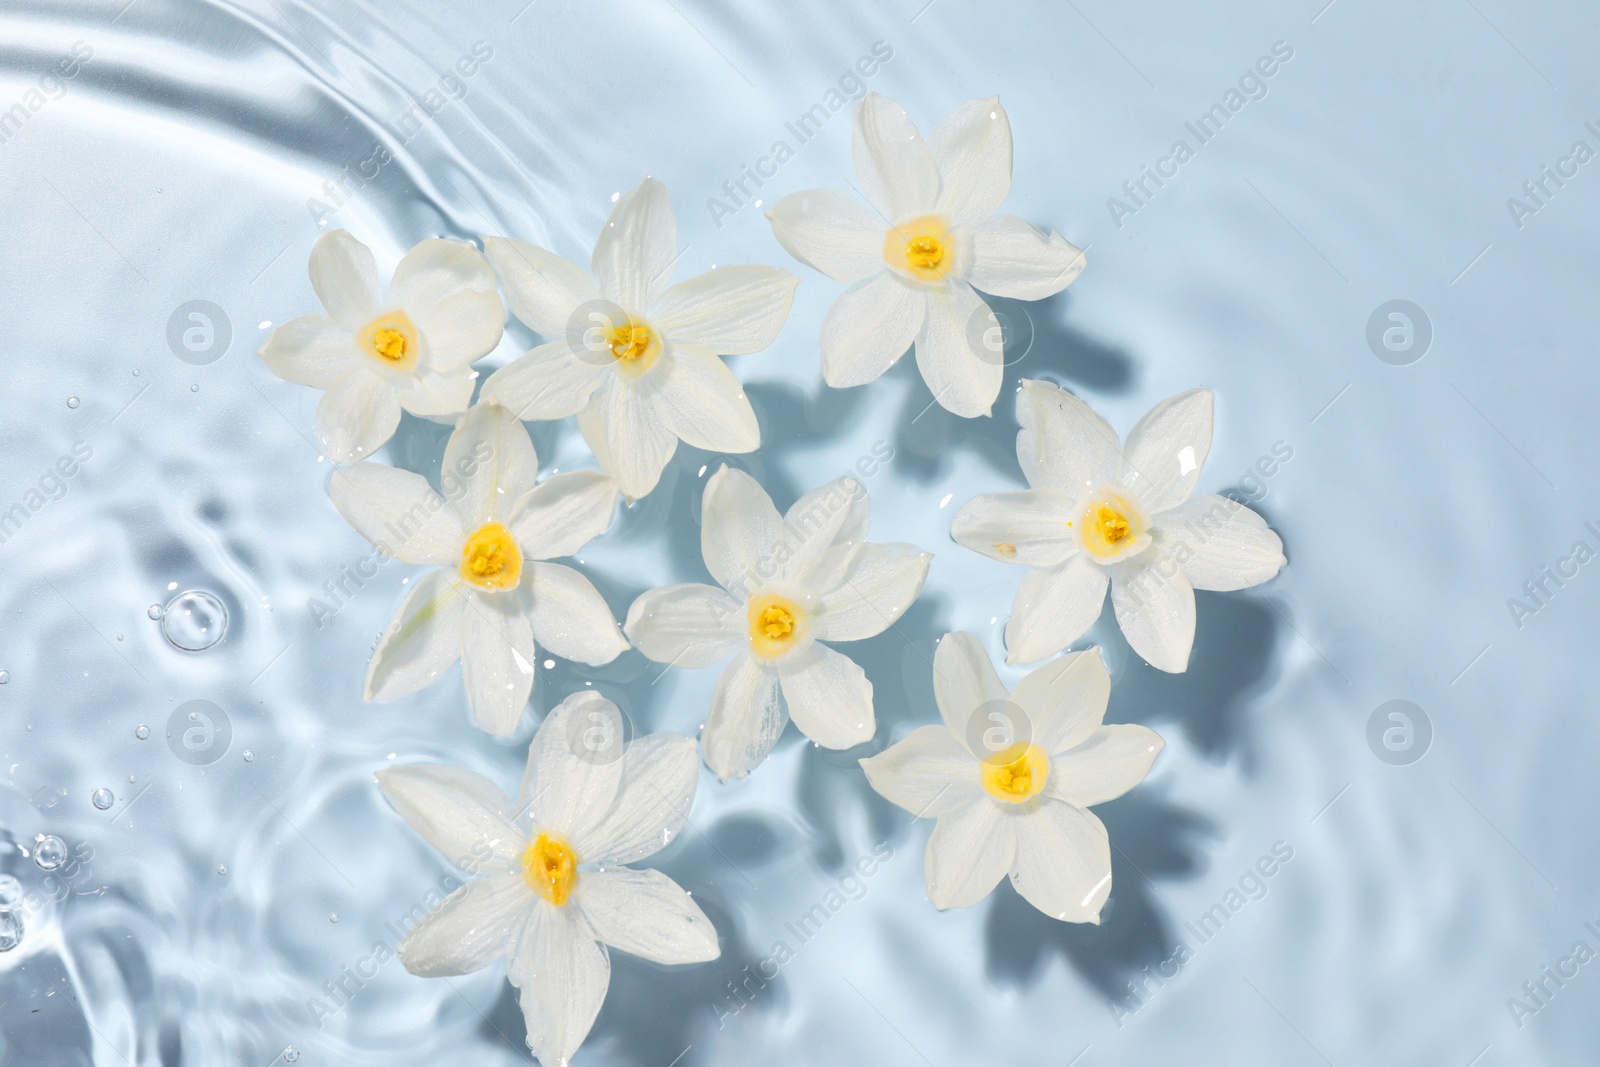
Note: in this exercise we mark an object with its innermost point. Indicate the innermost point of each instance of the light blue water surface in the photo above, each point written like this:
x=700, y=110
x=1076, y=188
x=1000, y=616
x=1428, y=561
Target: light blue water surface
x=1416, y=495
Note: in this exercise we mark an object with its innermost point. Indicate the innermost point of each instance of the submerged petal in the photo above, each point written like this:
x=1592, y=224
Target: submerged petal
x=647, y=914
x=475, y=926
x=745, y=720
x=357, y=416
x=463, y=815
x=497, y=658
x=422, y=641
x=561, y=974
x=398, y=511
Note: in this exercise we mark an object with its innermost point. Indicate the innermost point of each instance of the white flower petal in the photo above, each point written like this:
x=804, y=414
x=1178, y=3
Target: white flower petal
x=1165, y=451
x=312, y=350
x=869, y=327
x=646, y=914
x=969, y=851
x=746, y=718
x=474, y=926
x=569, y=616
x=964, y=680
x=893, y=165
x=823, y=532
x=462, y=328
x=345, y=276
x=422, y=641
x=1065, y=700
x=397, y=511
x=489, y=463
x=432, y=393
x=627, y=437
x=561, y=974
x=701, y=401
x=877, y=589
x=1063, y=444
x=1112, y=761
x=1220, y=543
x=1154, y=603
x=356, y=416
x=497, y=658
x=570, y=784
x=829, y=697
x=563, y=513
x=1054, y=606
x=686, y=625
x=634, y=254
x=929, y=773
x=1012, y=259
x=659, y=774
x=463, y=815
x=731, y=310
x=831, y=231
x=972, y=148
x=1063, y=864
x=740, y=531
x=542, y=289
x=962, y=373
x=548, y=382
x=1028, y=527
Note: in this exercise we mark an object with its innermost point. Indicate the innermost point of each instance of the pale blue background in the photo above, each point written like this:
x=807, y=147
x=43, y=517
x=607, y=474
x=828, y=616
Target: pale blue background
x=1418, y=499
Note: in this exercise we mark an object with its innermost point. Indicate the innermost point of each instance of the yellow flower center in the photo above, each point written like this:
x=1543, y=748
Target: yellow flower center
x=391, y=339
x=774, y=625
x=492, y=559
x=921, y=248
x=634, y=345
x=1015, y=774
x=1111, y=526
x=550, y=867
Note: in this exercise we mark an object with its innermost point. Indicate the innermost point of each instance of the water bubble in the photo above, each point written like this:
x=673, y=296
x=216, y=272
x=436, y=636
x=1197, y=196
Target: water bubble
x=5, y=676
x=50, y=853
x=136, y=372
x=10, y=930
x=334, y=917
x=102, y=798
x=142, y=732
x=10, y=890
x=222, y=868
x=249, y=757
x=194, y=388
x=155, y=611
x=194, y=620
x=291, y=1055
x=72, y=401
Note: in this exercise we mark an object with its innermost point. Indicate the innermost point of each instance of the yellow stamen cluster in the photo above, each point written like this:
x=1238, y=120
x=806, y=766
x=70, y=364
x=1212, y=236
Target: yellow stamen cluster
x=633, y=344
x=1111, y=526
x=921, y=248
x=391, y=340
x=550, y=867
x=390, y=344
x=492, y=559
x=1016, y=774
x=774, y=625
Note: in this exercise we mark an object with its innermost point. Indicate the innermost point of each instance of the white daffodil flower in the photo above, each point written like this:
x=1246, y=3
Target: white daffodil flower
x=374, y=357
x=1101, y=513
x=554, y=893
x=914, y=257
x=789, y=583
x=493, y=595
x=637, y=361
x=1010, y=777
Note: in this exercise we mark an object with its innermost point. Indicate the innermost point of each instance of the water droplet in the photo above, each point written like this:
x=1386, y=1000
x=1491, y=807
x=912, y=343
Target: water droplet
x=10, y=890
x=155, y=611
x=194, y=388
x=194, y=620
x=10, y=930
x=102, y=798
x=50, y=853
x=72, y=401
x=5, y=676
x=136, y=372
x=291, y=1055
x=249, y=757
x=222, y=868
x=119, y=637
x=142, y=732
x=333, y=918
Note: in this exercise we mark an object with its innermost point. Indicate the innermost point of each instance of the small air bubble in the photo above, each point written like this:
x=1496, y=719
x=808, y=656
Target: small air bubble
x=222, y=868
x=102, y=798
x=72, y=401
x=291, y=1055
x=154, y=612
x=249, y=757
x=10, y=891
x=333, y=917
x=142, y=732
x=49, y=853
x=194, y=388
x=5, y=676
